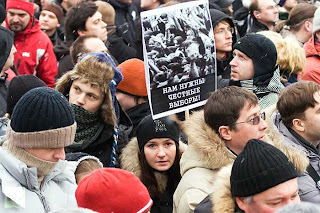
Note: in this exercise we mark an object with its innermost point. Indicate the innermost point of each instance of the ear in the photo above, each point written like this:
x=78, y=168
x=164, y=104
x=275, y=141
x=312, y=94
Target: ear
x=308, y=26
x=240, y=203
x=81, y=32
x=225, y=133
x=256, y=14
x=58, y=25
x=298, y=124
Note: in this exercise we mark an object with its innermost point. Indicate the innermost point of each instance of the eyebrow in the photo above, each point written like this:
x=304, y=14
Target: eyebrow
x=280, y=197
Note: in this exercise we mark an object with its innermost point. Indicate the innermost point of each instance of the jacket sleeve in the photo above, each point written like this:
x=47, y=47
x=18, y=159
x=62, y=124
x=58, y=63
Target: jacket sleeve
x=308, y=190
x=188, y=201
x=47, y=68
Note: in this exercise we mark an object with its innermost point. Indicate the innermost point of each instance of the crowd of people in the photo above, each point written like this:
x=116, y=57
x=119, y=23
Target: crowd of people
x=76, y=130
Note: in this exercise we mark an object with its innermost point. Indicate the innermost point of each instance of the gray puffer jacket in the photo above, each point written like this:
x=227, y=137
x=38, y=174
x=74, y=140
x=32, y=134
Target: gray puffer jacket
x=19, y=190
x=308, y=190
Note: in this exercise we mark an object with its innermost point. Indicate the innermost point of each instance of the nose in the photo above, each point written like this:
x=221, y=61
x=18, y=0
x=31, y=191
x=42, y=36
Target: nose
x=14, y=49
x=81, y=99
x=232, y=62
x=15, y=18
x=263, y=124
x=161, y=152
x=104, y=24
x=59, y=154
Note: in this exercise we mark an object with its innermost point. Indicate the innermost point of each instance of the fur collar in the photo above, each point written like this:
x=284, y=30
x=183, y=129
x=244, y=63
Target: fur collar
x=206, y=149
x=222, y=200
x=130, y=161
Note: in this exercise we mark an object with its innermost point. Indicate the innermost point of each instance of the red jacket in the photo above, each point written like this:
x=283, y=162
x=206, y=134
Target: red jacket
x=312, y=68
x=35, y=54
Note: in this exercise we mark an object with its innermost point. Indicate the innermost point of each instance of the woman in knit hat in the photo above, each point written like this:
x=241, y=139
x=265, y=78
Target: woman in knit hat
x=90, y=88
x=154, y=156
x=132, y=92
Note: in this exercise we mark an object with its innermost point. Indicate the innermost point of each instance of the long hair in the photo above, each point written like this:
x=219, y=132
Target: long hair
x=149, y=180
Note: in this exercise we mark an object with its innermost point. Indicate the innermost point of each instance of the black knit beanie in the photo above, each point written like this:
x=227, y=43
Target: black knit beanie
x=263, y=53
x=18, y=86
x=159, y=128
x=42, y=118
x=258, y=167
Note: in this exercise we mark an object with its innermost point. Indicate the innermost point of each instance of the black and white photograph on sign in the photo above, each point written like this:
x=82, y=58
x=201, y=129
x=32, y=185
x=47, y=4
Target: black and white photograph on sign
x=179, y=54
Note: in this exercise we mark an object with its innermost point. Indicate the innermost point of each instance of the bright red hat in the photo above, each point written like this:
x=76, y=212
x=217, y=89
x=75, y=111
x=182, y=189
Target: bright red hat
x=21, y=5
x=109, y=190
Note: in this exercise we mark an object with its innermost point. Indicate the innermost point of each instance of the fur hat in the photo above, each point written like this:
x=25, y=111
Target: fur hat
x=134, y=81
x=95, y=68
x=113, y=190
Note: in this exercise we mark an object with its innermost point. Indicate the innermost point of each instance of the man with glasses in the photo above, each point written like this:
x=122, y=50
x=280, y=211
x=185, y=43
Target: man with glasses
x=224, y=37
x=254, y=67
x=216, y=136
x=297, y=119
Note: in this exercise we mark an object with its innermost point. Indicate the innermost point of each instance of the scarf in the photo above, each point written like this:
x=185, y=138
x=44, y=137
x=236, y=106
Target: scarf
x=43, y=167
x=89, y=127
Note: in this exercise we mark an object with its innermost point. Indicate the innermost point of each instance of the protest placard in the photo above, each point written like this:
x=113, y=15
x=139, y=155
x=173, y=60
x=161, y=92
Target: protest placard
x=179, y=55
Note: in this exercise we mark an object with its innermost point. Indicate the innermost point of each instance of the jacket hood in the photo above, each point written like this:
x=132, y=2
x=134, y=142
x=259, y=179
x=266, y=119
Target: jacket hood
x=32, y=27
x=206, y=149
x=217, y=16
x=6, y=42
x=312, y=48
x=129, y=160
x=222, y=199
x=62, y=49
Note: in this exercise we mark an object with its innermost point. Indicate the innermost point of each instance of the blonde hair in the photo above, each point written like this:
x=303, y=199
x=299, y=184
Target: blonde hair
x=290, y=55
x=85, y=168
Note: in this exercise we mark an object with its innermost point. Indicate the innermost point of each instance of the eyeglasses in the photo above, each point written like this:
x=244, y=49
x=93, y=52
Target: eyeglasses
x=255, y=120
x=225, y=31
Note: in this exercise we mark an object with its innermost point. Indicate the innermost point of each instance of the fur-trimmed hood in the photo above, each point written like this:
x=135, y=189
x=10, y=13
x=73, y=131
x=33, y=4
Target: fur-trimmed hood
x=100, y=77
x=222, y=200
x=129, y=160
x=206, y=149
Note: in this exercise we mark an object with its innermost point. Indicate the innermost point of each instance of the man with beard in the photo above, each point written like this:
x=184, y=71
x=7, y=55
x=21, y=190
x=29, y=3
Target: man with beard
x=34, y=54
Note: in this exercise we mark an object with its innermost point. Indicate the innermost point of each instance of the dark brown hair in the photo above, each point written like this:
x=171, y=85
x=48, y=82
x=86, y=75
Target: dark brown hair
x=301, y=13
x=295, y=99
x=224, y=105
x=149, y=180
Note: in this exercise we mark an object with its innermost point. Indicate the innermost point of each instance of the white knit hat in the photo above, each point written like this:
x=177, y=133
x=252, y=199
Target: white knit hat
x=316, y=21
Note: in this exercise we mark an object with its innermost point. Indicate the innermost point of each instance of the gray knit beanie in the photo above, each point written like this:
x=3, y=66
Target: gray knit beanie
x=42, y=118
x=316, y=21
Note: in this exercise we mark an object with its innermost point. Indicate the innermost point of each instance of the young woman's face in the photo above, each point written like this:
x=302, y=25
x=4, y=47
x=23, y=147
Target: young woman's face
x=160, y=153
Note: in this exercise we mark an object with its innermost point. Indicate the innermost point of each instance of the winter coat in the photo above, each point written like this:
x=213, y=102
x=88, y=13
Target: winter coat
x=256, y=26
x=20, y=192
x=267, y=94
x=62, y=52
x=312, y=68
x=199, y=164
x=119, y=48
x=3, y=96
x=126, y=17
x=210, y=150
x=130, y=161
x=308, y=189
x=35, y=54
